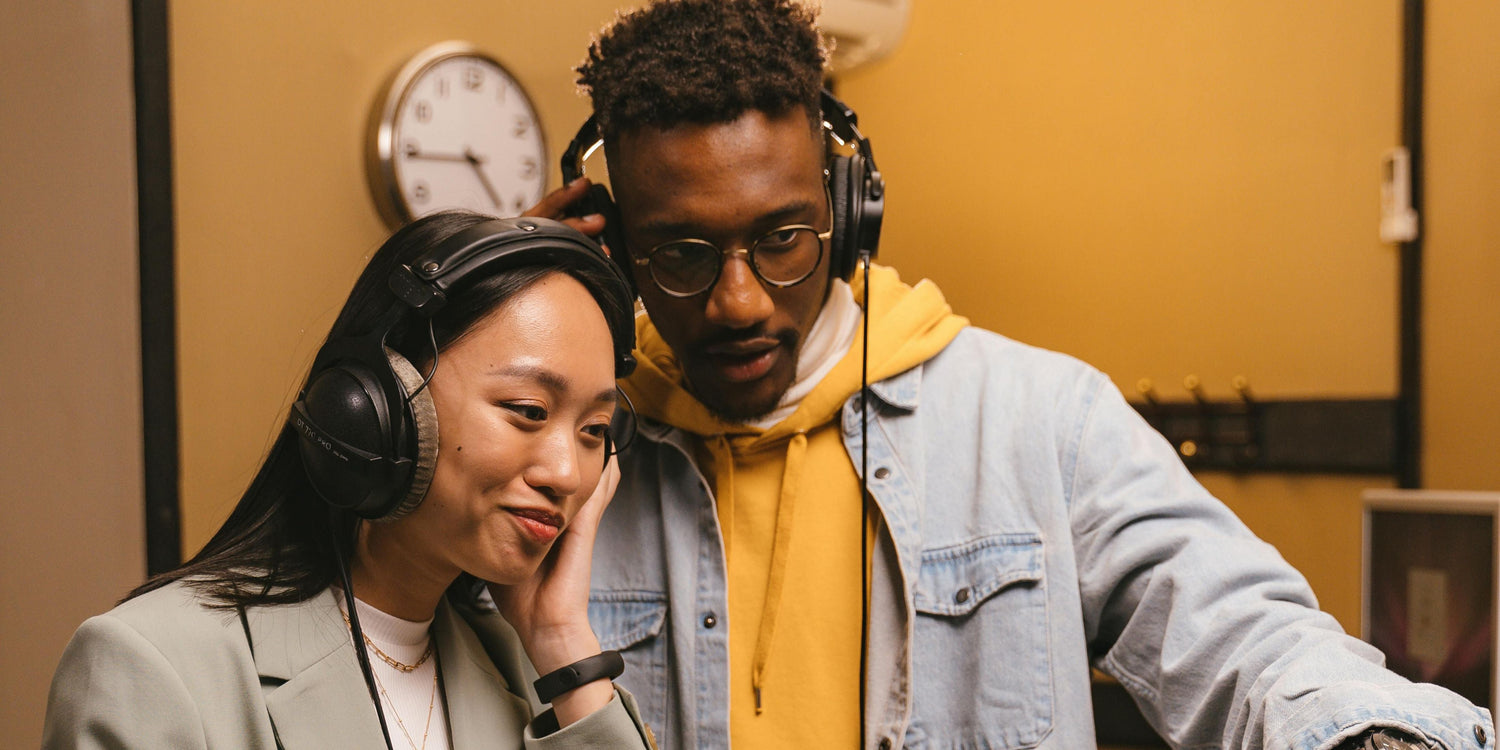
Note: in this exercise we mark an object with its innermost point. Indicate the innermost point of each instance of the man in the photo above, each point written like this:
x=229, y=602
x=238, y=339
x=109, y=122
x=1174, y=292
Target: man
x=1024, y=523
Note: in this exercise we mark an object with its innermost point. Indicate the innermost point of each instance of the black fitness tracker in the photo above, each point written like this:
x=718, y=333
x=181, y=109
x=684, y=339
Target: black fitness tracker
x=597, y=667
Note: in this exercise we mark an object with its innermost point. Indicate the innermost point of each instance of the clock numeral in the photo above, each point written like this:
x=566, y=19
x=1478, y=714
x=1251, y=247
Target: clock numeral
x=473, y=77
x=520, y=204
x=420, y=193
x=411, y=147
x=442, y=88
x=424, y=111
x=528, y=168
x=501, y=90
x=523, y=126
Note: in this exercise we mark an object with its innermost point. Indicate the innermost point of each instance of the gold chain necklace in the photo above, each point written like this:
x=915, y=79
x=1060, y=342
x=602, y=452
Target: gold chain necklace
x=430, y=703
x=396, y=665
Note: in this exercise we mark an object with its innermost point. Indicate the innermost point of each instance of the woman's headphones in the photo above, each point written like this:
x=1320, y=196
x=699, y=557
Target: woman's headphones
x=854, y=185
x=366, y=422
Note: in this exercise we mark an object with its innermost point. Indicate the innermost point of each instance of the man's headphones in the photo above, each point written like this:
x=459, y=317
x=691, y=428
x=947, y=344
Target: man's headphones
x=366, y=422
x=854, y=185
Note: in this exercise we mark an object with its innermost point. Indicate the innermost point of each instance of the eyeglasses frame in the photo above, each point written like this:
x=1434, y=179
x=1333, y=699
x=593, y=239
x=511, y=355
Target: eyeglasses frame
x=725, y=255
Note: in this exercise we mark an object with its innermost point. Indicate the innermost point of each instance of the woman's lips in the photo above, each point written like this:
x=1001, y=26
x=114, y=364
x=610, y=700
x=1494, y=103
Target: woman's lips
x=541, y=525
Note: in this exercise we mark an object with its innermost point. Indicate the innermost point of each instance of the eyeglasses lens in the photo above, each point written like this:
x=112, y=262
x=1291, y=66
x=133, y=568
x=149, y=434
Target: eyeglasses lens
x=685, y=267
x=782, y=257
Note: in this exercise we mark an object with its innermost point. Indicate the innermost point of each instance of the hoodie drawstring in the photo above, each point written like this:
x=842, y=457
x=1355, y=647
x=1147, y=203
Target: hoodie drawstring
x=723, y=454
x=791, y=482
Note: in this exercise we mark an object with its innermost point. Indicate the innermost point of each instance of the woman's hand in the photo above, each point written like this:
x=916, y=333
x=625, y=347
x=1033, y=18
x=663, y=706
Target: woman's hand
x=549, y=611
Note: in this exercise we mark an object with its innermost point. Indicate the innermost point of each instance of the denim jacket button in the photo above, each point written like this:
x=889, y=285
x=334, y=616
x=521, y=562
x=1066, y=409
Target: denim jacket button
x=709, y=621
x=962, y=596
x=1479, y=734
x=882, y=473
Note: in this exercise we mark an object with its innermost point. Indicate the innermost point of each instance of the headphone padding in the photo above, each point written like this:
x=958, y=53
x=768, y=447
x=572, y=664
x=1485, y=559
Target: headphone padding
x=346, y=403
x=843, y=247
x=424, y=418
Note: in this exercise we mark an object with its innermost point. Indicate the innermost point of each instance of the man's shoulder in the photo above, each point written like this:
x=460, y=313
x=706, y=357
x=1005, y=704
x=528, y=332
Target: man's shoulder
x=986, y=359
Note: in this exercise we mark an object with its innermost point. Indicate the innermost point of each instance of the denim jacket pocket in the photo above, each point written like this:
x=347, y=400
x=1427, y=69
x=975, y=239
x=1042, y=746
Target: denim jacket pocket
x=632, y=622
x=981, y=666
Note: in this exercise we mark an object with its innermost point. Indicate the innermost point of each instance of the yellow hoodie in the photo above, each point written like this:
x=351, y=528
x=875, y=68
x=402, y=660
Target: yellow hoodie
x=789, y=508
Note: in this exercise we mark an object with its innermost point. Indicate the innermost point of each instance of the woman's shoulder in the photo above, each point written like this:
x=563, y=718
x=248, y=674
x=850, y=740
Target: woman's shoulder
x=162, y=669
x=173, y=619
x=180, y=603
x=180, y=629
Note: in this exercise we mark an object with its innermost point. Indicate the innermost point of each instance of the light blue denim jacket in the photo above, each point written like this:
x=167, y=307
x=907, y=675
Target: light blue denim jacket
x=1033, y=526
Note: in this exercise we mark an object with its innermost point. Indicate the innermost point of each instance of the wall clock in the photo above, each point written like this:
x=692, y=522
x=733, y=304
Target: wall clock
x=454, y=129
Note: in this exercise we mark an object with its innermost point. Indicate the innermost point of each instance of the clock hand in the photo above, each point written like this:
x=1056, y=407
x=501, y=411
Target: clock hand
x=475, y=161
x=438, y=157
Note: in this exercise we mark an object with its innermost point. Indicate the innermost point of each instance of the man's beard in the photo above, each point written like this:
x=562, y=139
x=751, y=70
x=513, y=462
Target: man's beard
x=741, y=403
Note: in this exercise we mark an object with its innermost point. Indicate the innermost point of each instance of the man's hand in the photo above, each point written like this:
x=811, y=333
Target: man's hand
x=555, y=204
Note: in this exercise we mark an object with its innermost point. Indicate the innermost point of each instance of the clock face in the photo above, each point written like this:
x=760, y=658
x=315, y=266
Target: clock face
x=456, y=131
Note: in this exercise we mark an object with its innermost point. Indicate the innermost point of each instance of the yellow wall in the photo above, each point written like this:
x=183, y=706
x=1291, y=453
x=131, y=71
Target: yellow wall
x=274, y=220
x=1158, y=188
x=1174, y=188
x=1463, y=246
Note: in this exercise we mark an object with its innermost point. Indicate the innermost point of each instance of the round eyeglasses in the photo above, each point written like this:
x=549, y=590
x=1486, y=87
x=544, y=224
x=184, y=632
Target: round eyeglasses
x=782, y=257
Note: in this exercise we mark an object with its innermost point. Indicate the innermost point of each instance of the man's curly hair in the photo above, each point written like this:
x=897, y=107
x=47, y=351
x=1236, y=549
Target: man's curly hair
x=704, y=61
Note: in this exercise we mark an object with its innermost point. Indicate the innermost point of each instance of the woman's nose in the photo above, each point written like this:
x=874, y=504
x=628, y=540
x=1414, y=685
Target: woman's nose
x=554, y=468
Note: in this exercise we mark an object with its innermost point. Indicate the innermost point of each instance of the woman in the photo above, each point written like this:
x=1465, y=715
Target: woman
x=362, y=527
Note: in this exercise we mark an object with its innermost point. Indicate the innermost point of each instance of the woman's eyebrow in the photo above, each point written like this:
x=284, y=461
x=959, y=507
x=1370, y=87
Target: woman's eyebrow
x=551, y=379
x=540, y=374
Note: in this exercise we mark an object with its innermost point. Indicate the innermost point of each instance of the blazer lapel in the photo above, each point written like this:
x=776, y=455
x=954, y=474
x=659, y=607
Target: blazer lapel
x=482, y=712
x=315, y=692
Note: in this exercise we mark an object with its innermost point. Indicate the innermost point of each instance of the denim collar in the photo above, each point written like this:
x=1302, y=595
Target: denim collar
x=901, y=392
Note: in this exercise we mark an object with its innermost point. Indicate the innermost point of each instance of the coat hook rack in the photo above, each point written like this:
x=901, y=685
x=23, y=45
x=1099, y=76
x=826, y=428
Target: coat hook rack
x=1245, y=434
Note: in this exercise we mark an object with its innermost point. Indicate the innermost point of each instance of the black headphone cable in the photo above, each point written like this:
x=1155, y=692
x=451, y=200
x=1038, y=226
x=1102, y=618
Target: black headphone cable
x=864, y=494
x=358, y=635
x=431, y=338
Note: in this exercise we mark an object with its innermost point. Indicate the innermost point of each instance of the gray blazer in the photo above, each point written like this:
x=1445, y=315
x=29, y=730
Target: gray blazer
x=163, y=671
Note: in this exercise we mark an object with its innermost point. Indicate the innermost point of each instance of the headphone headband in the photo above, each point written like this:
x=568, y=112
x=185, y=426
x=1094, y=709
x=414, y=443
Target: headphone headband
x=423, y=285
x=839, y=120
x=842, y=123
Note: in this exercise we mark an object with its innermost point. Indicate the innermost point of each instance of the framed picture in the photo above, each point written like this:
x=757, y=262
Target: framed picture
x=1429, y=593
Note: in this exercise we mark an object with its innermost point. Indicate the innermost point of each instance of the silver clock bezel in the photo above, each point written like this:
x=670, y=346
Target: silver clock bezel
x=380, y=153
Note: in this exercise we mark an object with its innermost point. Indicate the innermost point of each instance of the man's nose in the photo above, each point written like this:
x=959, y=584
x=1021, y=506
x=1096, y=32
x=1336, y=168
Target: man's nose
x=738, y=299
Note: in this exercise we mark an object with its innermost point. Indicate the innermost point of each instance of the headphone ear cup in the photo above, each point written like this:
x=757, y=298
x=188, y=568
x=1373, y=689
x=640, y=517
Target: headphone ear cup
x=597, y=200
x=343, y=411
x=845, y=180
x=602, y=203
x=424, y=427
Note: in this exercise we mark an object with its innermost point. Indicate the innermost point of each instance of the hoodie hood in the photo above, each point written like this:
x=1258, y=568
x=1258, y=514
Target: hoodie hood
x=908, y=326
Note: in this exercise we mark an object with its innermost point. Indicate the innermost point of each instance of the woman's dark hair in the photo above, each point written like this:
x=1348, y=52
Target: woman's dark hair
x=276, y=545
x=702, y=62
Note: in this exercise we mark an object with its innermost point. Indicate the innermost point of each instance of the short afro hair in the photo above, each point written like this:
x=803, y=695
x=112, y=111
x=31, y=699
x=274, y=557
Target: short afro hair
x=702, y=62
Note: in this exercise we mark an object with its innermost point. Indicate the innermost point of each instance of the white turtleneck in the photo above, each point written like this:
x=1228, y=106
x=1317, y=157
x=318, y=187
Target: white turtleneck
x=406, y=695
